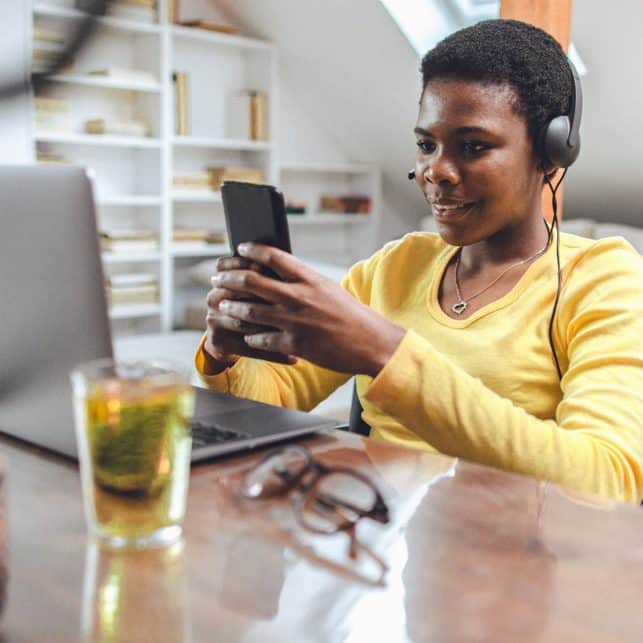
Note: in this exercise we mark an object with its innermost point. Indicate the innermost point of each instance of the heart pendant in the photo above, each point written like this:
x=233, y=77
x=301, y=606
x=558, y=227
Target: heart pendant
x=459, y=308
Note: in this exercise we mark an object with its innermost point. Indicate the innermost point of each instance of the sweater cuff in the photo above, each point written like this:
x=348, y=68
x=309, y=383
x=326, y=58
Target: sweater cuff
x=218, y=382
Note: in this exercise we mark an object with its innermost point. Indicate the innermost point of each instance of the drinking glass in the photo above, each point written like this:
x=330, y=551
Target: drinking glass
x=133, y=433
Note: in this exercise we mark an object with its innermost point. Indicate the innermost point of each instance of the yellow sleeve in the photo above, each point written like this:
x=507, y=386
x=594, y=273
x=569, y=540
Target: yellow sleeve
x=595, y=443
x=300, y=386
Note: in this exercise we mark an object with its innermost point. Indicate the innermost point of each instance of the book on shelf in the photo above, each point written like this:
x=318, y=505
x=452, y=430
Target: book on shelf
x=189, y=235
x=123, y=75
x=116, y=128
x=130, y=280
x=42, y=35
x=346, y=204
x=211, y=25
x=132, y=11
x=191, y=181
x=173, y=11
x=47, y=59
x=181, y=126
x=218, y=174
x=296, y=207
x=129, y=240
x=131, y=295
x=48, y=158
x=52, y=114
x=258, y=116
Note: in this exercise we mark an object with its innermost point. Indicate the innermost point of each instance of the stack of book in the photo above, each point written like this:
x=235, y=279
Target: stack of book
x=197, y=236
x=347, y=204
x=296, y=207
x=218, y=174
x=52, y=114
x=48, y=157
x=142, y=10
x=123, y=75
x=128, y=240
x=139, y=288
x=117, y=128
x=191, y=181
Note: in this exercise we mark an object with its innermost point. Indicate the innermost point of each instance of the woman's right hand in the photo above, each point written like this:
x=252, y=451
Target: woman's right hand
x=224, y=342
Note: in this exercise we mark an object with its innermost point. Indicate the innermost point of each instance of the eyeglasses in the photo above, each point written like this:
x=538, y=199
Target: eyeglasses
x=331, y=499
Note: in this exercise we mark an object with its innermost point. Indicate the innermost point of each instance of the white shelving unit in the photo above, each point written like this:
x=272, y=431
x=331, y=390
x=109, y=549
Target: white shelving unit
x=133, y=175
x=315, y=232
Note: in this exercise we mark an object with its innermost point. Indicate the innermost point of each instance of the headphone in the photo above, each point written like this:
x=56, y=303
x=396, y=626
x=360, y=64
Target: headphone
x=559, y=143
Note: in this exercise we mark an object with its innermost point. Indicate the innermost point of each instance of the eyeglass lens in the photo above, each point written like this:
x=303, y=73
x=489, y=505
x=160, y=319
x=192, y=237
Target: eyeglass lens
x=337, y=501
x=276, y=472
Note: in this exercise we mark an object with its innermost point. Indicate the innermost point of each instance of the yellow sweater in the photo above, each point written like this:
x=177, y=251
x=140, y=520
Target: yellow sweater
x=486, y=388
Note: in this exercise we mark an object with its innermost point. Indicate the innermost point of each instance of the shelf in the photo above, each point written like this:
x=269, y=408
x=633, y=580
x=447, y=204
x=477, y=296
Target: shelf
x=130, y=257
x=200, y=250
x=327, y=219
x=127, y=201
x=106, y=83
x=196, y=196
x=97, y=140
x=52, y=11
x=134, y=310
x=221, y=143
x=338, y=168
x=215, y=38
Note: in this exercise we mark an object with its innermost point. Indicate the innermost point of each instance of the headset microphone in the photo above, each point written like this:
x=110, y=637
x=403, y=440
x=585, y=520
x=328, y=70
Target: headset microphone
x=411, y=175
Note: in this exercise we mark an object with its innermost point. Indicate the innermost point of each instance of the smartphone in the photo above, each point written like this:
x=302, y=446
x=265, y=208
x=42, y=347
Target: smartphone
x=255, y=212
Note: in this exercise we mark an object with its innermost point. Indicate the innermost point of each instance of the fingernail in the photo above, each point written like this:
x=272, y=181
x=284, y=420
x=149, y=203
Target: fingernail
x=224, y=305
x=216, y=280
x=244, y=249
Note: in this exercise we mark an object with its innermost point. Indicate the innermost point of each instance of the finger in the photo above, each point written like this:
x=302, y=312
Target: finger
x=236, y=325
x=274, y=342
x=254, y=313
x=287, y=266
x=248, y=281
x=217, y=295
x=236, y=263
x=235, y=344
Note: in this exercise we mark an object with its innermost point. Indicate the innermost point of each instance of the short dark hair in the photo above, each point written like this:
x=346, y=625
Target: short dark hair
x=513, y=53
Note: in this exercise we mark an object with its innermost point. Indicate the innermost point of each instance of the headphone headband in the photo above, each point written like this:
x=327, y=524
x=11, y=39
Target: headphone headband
x=560, y=142
x=575, y=107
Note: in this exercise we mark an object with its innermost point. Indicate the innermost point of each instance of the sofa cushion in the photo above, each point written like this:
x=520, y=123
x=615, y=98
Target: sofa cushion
x=630, y=233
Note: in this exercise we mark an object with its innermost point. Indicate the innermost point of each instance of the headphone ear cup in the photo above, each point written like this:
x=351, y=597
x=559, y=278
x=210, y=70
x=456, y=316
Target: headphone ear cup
x=556, y=149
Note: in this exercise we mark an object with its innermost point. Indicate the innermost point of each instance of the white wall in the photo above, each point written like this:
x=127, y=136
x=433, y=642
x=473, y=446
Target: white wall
x=15, y=120
x=606, y=183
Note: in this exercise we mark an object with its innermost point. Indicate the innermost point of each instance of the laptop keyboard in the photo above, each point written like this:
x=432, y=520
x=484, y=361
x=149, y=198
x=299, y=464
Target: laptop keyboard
x=205, y=434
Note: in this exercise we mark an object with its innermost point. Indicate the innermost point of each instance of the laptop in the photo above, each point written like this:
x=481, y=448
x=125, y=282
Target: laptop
x=54, y=315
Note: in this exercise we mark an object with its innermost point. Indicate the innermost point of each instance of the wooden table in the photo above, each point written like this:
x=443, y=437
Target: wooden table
x=475, y=555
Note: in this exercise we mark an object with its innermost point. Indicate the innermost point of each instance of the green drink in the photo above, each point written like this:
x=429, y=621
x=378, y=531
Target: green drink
x=134, y=447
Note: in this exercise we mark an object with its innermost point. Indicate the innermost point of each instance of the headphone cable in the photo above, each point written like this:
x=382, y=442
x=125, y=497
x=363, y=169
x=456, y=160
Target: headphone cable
x=554, y=205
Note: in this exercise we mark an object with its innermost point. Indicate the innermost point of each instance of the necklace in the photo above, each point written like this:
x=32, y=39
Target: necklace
x=461, y=305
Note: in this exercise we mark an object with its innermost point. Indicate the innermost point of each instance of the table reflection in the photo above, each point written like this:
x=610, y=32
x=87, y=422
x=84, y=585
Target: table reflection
x=134, y=595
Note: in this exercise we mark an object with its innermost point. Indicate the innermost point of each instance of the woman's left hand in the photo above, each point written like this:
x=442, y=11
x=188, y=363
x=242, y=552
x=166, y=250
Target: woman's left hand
x=313, y=316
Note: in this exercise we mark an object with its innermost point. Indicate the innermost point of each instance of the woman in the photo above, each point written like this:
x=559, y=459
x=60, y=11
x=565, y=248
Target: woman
x=449, y=333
